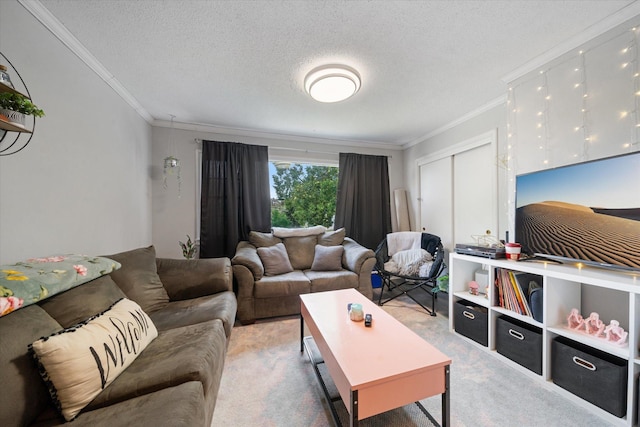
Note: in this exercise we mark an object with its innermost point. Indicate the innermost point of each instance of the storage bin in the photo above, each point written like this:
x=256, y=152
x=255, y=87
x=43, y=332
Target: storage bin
x=591, y=374
x=376, y=280
x=520, y=342
x=470, y=320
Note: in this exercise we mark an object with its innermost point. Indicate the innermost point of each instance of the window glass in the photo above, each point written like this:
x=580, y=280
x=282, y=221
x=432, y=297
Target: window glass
x=302, y=195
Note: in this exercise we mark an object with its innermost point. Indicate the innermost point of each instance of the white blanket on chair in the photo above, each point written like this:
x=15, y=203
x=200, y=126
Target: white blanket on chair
x=403, y=240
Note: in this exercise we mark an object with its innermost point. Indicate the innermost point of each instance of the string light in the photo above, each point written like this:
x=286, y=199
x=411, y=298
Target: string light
x=635, y=81
x=584, y=110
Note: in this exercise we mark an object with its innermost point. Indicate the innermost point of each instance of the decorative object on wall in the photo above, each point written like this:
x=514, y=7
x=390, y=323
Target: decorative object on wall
x=188, y=248
x=17, y=111
x=171, y=162
x=332, y=83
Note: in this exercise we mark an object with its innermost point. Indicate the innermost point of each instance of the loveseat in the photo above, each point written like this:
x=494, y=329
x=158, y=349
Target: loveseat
x=272, y=269
x=188, y=304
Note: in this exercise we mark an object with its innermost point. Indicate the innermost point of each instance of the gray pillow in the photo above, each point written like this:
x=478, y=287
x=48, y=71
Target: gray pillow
x=327, y=258
x=332, y=238
x=259, y=240
x=275, y=260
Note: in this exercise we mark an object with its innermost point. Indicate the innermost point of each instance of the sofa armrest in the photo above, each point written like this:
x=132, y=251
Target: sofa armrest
x=245, y=284
x=247, y=255
x=355, y=255
x=193, y=278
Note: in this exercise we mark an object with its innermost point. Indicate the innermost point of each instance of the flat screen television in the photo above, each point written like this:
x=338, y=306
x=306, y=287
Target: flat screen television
x=586, y=212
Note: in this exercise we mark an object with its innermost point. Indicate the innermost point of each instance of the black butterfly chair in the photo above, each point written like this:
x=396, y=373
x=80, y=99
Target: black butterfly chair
x=398, y=284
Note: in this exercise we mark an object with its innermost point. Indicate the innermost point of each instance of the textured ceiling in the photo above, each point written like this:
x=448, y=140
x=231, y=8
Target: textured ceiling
x=241, y=64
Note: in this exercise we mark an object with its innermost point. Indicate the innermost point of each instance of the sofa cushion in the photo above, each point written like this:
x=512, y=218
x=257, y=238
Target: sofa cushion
x=332, y=238
x=283, y=232
x=176, y=314
x=194, y=278
x=261, y=240
x=79, y=362
x=24, y=395
x=82, y=302
x=301, y=251
x=176, y=356
x=289, y=284
x=182, y=405
x=138, y=278
x=331, y=280
x=275, y=260
x=327, y=258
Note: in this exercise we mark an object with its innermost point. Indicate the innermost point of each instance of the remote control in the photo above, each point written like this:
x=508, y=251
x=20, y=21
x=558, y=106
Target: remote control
x=367, y=320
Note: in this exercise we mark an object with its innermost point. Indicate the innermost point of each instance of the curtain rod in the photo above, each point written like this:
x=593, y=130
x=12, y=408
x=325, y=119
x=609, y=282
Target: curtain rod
x=303, y=150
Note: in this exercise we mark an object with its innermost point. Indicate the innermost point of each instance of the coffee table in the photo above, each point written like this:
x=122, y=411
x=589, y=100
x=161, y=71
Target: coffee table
x=375, y=369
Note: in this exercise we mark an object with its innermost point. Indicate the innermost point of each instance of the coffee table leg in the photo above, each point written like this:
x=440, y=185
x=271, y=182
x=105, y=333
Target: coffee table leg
x=446, y=406
x=354, y=409
x=301, y=333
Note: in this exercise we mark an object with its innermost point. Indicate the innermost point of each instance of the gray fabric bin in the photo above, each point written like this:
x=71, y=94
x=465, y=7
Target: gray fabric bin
x=597, y=377
x=470, y=320
x=520, y=342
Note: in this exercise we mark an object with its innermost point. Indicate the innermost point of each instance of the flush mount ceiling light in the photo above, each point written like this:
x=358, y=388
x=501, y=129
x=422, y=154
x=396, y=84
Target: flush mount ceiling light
x=332, y=83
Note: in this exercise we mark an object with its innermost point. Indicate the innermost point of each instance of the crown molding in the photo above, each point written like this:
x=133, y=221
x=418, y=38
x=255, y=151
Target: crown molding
x=220, y=130
x=42, y=14
x=488, y=106
x=626, y=13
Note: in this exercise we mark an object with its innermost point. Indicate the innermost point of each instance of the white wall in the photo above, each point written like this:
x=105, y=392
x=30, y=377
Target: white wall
x=490, y=120
x=174, y=217
x=583, y=105
x=83, y=183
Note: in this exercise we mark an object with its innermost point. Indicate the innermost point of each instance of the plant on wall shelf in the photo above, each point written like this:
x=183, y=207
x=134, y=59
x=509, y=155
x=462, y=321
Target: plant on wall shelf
x=188, y=248
x=20, y=104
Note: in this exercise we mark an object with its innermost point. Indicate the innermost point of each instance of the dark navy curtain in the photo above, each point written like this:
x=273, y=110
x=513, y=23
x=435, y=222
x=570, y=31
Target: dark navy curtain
x=235, y=196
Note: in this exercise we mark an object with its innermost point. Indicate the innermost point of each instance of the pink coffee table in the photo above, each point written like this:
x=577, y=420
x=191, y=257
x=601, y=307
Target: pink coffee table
x=375, y=369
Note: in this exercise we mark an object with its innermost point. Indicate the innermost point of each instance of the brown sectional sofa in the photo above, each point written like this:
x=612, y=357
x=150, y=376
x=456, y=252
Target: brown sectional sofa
x=261, y=295
x=174, y=381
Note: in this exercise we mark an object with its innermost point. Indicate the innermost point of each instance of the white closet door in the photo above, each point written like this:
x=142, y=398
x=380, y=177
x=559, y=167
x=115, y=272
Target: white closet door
x=474, y=193
x=436, y=203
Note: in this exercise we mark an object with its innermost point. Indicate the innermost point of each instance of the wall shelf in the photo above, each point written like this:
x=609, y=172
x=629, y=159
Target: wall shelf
x=13, y=136
x=614, y=295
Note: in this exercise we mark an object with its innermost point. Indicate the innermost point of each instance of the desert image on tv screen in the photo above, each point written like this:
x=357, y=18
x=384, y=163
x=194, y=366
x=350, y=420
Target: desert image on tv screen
x=587, y=211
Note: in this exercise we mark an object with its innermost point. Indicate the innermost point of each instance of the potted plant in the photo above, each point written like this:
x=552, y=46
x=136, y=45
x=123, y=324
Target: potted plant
x=188, y=248
x=14, y=107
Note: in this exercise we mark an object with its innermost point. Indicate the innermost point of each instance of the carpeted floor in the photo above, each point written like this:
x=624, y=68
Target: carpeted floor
x=267, y=381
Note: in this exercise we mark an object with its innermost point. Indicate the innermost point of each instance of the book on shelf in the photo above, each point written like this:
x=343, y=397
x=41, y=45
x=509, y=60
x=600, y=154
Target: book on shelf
x=513, y=290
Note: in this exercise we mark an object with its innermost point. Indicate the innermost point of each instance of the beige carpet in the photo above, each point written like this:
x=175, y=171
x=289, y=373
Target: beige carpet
x=267, y=381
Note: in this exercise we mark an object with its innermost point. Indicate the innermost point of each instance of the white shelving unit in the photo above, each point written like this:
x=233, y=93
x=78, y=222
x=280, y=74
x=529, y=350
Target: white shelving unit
x=612, y=294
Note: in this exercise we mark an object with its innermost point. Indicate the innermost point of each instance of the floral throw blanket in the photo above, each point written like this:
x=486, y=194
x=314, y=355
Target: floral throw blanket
x=25, y=283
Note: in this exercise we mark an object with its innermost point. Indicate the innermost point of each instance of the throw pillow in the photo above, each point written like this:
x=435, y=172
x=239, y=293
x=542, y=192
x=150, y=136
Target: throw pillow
x=260, y=240
x=275, y=260
x=301, y=251
x=332, y=238
x=77, y=363
x=327, y=258
x=138, y=278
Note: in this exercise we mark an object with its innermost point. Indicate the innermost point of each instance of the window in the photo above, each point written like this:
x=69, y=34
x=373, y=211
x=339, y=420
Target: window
x=302, y=195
